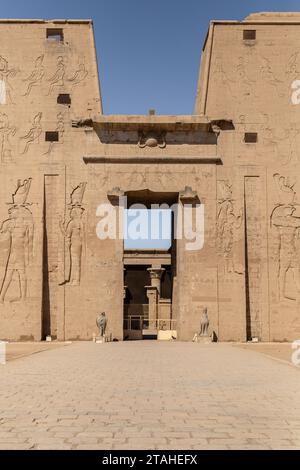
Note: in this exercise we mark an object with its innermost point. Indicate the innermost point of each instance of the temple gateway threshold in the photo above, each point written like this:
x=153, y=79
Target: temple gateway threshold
x=236, y=158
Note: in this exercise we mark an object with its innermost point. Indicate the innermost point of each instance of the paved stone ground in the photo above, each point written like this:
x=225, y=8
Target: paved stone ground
x=149, y=395
x=17, y=350
x=281, y=351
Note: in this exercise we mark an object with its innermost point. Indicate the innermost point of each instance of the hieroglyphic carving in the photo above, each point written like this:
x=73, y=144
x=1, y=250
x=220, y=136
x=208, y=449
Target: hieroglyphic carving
x=17, y=231
x=60, y=128
x=242, y=73
x=5, y=74
x=36, y=76
x=137, y=179
x=291, y=146
x=287, y=225
x=254, y=236
x=283, y=142
x=74, y=233
x=292, y=70
x=6, y=130
x=34, y=132
x=285, y=189
x=79, y=75
x=227, y=223
x=57, y=80
x=221, y=76
x=269, y=76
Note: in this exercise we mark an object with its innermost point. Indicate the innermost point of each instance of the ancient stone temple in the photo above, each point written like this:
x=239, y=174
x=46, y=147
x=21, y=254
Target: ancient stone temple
x=62, y=162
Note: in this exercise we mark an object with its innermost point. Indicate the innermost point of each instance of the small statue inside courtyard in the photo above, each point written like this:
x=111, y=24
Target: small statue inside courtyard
x=204, y=323
x=101, y=323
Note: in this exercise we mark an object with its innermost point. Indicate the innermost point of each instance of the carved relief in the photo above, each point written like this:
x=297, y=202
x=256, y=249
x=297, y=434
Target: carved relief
x=254, y=250
x=285, y=189
x=269, y=76
x=292, y=66
x=17, y=232
x=34, y=133
x=221, y=75
x=227, y=223
x=291, y=149
x=60, y=128
x=74, y=233
x=5, y=74
x=36, y=76
x=6, y=130
x=287, y=226
x=79, y=75
x=283, y=143
x=57, y=80
x=152, y=139
x=137, y=179
x=243, y=76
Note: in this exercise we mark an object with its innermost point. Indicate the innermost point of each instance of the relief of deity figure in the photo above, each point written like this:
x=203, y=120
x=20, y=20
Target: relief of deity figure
x=79, y=75
x=57, y=80
x=36, y=75
x=34, y=132
x=6, y=130
x=60, y=128
x=17, y=231
x=227, y=223
x=74, y=234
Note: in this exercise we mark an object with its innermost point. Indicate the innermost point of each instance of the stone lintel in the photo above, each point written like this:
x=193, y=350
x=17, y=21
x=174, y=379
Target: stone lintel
x=153, y=122
x=186, y=159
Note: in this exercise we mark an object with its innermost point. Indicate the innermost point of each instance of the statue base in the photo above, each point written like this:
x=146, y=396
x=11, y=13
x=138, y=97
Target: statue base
x=100, y=339
x=202, y=339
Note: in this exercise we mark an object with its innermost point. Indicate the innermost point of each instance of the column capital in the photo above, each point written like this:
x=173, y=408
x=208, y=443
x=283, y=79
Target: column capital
x=114, y=195
x=188, y=196
x=156, y=272
x=151, y=291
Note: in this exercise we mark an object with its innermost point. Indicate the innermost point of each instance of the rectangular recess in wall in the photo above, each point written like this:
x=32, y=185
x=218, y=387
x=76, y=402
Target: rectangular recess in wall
x=250, y=137
x=249, y=34
x=55, y=34
x=51, y=136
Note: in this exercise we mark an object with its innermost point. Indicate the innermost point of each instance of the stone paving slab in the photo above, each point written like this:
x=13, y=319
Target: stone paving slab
x=22, y=349
x=282, y=351
x=149, y=395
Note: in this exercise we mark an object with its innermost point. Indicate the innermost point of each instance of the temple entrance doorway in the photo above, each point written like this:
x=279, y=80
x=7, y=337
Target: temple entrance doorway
x=149, y=266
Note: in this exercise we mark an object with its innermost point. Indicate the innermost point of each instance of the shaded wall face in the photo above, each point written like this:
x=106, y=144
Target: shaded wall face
x=136, y=278
x=251, y=82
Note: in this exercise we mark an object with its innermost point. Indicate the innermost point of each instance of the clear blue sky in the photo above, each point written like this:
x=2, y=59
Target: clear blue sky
x=148, y=50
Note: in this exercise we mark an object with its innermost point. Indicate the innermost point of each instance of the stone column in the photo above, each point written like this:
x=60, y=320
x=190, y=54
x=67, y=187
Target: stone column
x=152, y=295
x=124, y=292
x=155, y=277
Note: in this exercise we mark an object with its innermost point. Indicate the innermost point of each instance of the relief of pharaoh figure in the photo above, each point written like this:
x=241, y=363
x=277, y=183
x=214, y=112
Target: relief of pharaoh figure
x=5, y=74
x=74, y=233
x=288, y=230
x=17, y=231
